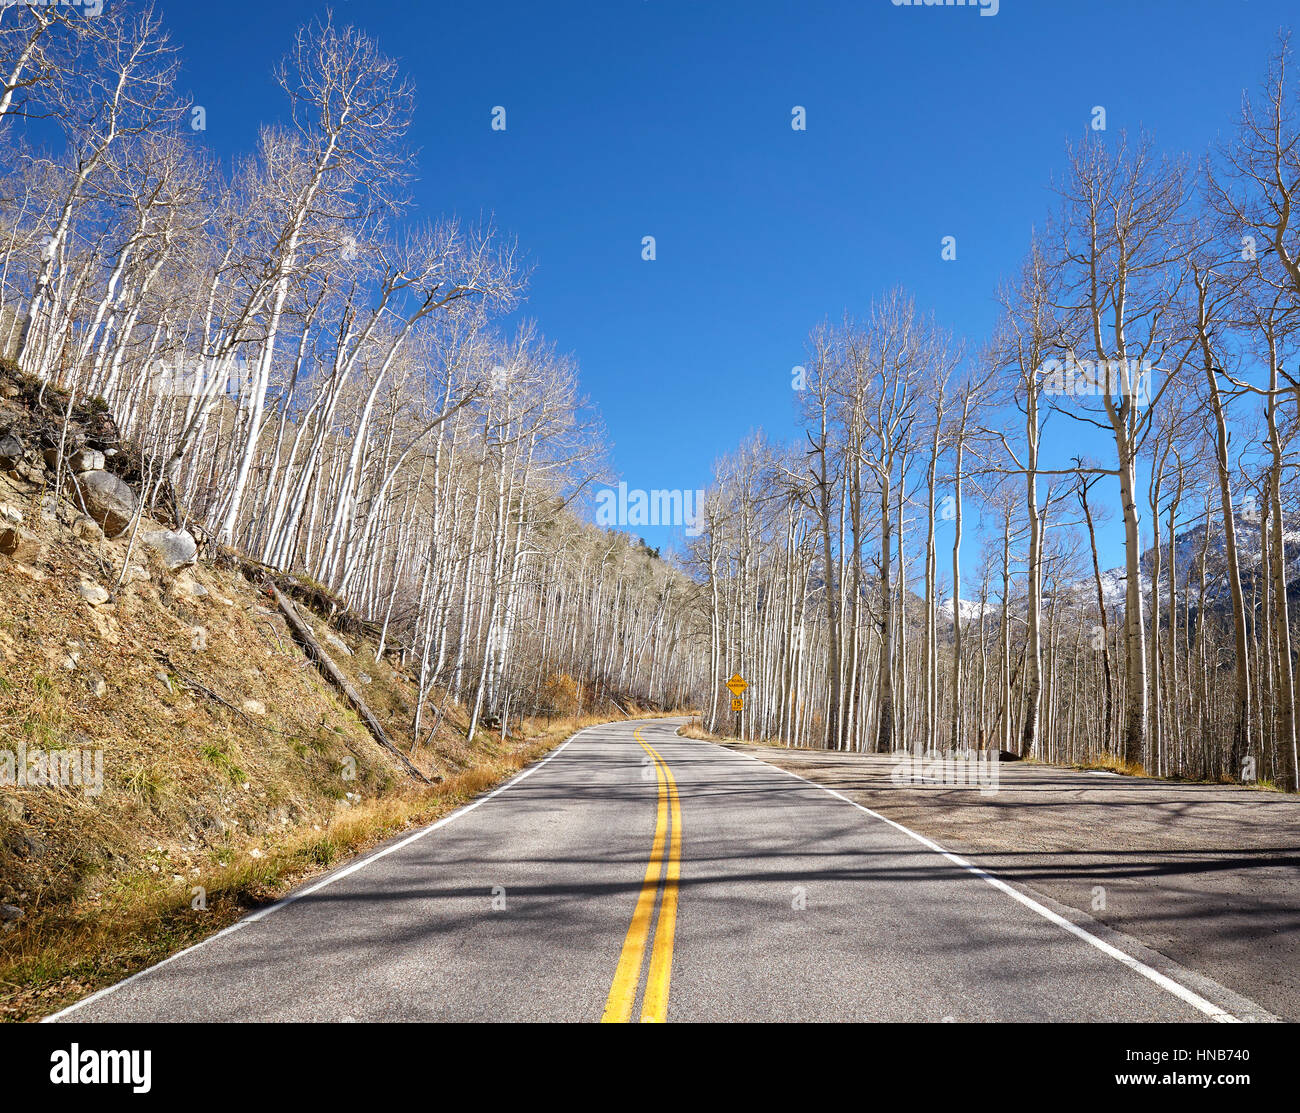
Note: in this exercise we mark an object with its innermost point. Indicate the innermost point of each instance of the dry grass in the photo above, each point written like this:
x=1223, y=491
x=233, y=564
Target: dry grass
x=694, y=728
x=182, y=771
x=1111, y=763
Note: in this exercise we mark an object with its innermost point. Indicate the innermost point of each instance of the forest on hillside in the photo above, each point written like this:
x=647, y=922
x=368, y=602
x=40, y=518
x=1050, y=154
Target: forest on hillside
x=317, y=375
x=337, y=385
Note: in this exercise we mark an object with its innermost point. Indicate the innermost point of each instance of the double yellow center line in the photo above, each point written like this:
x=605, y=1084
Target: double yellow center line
x=627, y=977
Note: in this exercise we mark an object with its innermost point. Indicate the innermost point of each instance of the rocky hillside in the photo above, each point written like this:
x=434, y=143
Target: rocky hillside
x=160, y=724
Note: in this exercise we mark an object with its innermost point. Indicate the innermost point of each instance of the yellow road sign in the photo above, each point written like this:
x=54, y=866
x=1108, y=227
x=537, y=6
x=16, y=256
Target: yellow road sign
x=737, y=704
x=737, y=685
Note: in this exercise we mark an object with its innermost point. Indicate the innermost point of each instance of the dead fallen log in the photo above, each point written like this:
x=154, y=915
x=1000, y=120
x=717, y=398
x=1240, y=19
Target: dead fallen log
x=303, y=633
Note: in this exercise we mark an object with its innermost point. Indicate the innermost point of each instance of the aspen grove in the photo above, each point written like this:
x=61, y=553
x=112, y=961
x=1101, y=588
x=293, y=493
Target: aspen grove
x=334, y=385
x=316, y=376
x=1153, y=321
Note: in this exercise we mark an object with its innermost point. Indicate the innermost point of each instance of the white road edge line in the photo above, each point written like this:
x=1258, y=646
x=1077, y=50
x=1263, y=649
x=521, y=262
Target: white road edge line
x=328, y=879
x=1163, y=981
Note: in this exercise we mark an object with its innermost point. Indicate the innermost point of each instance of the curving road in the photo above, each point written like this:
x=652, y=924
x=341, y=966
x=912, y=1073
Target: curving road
x=638, y=875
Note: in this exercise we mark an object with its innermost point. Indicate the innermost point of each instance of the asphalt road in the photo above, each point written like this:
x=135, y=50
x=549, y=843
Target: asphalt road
x=638, y=875
x=1206, y=874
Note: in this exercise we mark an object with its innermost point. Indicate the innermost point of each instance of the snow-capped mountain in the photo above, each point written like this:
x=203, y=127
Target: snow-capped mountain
x=970, y=609
x=1189, y=548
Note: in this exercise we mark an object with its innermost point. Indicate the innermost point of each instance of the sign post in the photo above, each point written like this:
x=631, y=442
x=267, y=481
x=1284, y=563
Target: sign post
x=737, y=685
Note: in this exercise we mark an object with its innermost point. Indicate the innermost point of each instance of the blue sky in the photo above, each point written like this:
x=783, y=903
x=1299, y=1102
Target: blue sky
x=629, y=118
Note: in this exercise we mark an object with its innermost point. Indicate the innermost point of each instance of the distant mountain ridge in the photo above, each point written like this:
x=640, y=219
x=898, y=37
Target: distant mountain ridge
x=1186, y=554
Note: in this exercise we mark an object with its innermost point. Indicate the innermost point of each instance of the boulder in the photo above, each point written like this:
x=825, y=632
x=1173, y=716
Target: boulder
x=10, y=515
x=93, y=593
x=108, y=500
x=188, y=586
x=176, y=548
x=86, y=459
x=11, y=452
x=87, y=529
x=20, y=544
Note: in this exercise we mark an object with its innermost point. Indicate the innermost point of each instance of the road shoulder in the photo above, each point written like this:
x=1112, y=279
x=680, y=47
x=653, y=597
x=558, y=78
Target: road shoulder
x=1200, y=882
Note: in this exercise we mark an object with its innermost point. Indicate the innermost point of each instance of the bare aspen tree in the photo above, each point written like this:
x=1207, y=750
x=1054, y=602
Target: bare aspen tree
x=350, y=110
x=1117, y=270
x=1030, y=337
